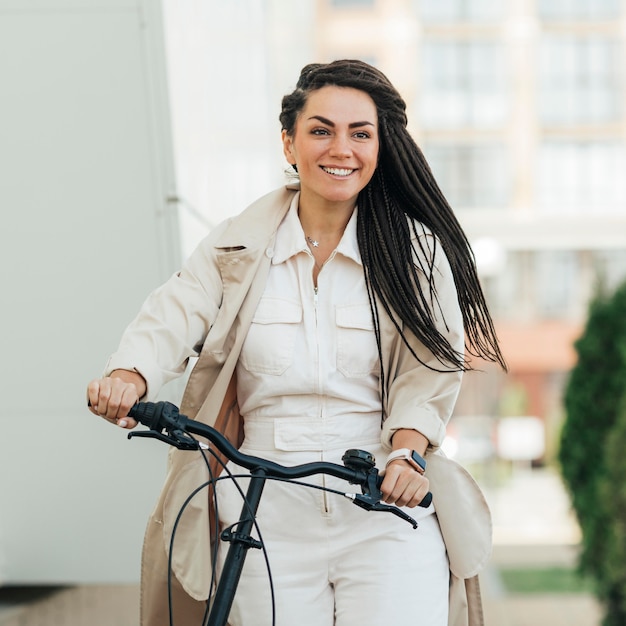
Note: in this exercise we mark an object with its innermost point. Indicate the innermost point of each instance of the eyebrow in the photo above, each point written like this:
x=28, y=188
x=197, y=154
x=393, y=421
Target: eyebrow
x=332, y=124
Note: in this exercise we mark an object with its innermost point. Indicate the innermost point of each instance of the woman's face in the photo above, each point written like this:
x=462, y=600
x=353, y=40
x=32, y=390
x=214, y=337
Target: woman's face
x=334, y=144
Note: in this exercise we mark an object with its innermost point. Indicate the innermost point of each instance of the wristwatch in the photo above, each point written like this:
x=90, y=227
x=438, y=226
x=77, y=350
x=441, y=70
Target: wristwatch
x=417, y=461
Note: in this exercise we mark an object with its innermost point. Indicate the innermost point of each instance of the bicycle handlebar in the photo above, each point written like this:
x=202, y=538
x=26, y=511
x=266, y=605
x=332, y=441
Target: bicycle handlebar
x=164, y=417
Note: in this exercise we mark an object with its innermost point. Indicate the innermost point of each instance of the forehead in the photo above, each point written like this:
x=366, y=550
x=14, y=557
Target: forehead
x=339, y=104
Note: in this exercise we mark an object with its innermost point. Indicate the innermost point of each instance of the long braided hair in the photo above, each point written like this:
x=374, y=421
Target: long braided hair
x=403, y=186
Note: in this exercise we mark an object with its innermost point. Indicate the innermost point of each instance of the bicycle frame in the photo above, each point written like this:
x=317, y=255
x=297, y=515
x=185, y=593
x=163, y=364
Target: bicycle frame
x=359, y=469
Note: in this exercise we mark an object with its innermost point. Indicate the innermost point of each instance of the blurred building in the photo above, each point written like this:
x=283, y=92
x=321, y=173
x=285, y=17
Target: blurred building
x=520, y=108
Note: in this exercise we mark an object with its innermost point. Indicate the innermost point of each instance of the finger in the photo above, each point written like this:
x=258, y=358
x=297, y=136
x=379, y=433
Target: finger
x=93, y=391
x=403, y=486
x=107, y=400
x=129, y=398
x=405, y=496
x=392, y=486
x=127, y=423
x=412, y=497
x=101, y=404
x=122, y=397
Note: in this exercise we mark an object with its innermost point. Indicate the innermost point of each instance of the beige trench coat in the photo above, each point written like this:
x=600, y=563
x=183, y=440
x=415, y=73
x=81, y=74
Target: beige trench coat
x=242, y=251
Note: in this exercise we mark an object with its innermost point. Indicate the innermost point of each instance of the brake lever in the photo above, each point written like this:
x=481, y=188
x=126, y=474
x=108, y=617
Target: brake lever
x=366, y=502
x=177, y=438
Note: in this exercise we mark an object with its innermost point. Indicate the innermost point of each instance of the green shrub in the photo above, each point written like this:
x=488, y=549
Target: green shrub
x=613, y=492
x=592, y=403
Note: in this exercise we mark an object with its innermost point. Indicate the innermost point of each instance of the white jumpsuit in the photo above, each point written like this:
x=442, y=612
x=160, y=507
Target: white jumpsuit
x=308, y=388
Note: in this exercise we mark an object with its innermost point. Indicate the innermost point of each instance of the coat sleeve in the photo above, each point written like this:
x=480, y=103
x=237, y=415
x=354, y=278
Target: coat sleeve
x=421, y=395
x=173, y=322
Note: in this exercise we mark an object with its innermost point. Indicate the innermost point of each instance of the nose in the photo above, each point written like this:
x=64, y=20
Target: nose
x=340, y=147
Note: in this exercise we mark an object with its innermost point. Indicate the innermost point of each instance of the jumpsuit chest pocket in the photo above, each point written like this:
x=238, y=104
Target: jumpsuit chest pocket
x=269, y=344
x=357, y=353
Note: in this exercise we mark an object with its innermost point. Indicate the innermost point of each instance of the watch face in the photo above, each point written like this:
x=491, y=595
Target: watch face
x=418, y=459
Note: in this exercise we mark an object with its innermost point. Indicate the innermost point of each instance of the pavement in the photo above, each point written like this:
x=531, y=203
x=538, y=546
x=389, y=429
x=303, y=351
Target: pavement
x=503, y=608
x=533, y=527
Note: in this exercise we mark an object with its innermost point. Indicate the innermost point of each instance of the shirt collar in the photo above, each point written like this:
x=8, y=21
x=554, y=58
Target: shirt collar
x=290, y=238
x=349, y=246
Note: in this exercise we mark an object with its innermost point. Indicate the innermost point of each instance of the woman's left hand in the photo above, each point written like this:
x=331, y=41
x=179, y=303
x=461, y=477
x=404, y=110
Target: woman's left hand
x=403, y=485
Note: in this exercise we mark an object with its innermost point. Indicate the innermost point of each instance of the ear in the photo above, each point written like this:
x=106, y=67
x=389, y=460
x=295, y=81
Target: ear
x=288, y=149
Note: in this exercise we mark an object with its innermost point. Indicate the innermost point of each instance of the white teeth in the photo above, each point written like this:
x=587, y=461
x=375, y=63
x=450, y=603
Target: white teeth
x=336, y=171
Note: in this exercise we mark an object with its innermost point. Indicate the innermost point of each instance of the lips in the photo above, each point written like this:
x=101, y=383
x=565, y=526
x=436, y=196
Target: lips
x=338, y=171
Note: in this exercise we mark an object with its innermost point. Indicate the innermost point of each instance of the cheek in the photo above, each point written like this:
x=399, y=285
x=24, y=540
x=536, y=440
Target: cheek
x=373, y=154
x=373, y=160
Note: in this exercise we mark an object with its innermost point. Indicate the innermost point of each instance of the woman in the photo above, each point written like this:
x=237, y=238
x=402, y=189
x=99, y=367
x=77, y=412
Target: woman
x=328, y=315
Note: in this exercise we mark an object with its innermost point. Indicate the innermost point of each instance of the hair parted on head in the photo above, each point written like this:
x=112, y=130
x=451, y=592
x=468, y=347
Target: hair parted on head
x=402, y=187
x=344, y=73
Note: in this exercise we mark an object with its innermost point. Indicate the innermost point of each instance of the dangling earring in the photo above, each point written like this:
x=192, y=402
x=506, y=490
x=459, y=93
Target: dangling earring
x=295, y=167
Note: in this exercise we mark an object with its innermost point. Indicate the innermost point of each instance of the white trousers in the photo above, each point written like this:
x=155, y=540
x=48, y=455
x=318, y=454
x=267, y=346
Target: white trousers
x=332, y=563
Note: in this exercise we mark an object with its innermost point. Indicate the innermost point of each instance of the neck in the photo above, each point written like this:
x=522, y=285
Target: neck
x=326, y=219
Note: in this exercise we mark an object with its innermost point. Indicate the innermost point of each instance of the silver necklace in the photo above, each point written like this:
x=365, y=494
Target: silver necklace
x=313, y=242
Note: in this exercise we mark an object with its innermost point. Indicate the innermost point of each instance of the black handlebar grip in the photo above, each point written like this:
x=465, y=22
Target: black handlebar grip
x=143, y=413
x=426, y=501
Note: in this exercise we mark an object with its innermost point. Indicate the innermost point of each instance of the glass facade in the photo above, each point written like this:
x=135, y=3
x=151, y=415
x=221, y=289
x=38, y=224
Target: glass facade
x=471, y=175
x=579, y=80
x=581, y=177
x=463, y=84
x=556, y=279
x=578, y=9
x=366, y=4
x=609, y=268
x=460, y=10
x=550, y=284
x=520, y=108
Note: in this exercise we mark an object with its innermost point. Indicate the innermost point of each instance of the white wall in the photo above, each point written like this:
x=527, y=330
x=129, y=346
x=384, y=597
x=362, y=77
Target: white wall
x=85, y=169
x=230, y=63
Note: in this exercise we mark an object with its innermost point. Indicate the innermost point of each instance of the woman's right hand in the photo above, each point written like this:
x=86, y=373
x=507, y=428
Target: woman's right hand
x=113, y=396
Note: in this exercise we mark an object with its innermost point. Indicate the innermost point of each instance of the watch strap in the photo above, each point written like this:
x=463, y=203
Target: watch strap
x=416, y=460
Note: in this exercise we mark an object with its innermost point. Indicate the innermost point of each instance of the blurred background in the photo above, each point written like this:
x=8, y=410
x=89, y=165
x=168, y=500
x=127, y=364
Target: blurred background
x=129, y=128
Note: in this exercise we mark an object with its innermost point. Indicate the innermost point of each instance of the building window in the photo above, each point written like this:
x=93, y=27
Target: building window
x=609, y=268
x=464, y=84
x=471, y=175
x=435, y=11
x=556, y=280
x=580, y=80
x=581, y=177
x=578, y=9
x=353, y=3
x=505, y=290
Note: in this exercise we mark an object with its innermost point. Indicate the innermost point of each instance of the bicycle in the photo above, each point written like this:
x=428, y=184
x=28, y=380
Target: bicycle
x=168, y=425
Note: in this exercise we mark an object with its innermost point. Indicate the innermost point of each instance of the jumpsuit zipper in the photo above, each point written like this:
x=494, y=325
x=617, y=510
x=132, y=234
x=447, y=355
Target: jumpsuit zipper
x=325, y=506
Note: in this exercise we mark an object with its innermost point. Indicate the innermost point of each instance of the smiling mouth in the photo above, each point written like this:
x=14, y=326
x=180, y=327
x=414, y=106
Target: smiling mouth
x=337, y=171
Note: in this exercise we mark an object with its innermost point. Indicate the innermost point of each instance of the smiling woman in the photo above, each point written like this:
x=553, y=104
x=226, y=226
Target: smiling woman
x=343, y=302
x=334, y=149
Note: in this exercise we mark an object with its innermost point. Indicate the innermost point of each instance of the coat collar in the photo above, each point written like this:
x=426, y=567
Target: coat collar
x=254, y=227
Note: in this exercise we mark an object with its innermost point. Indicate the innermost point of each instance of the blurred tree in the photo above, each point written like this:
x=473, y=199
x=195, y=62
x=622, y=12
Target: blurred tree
x=592, y=402
x=613, y=492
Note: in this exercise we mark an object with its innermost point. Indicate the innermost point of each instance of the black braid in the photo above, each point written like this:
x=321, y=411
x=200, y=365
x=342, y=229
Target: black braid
x=402, y=187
